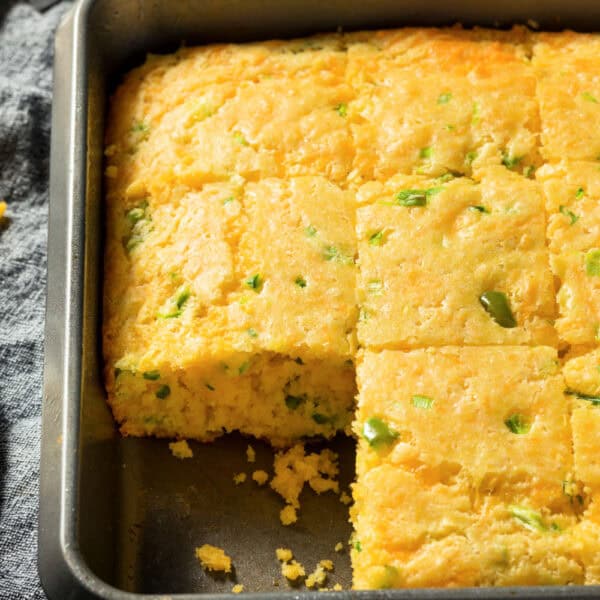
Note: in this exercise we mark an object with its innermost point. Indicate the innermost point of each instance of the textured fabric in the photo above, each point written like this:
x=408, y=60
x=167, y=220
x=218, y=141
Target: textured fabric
x=26, y=43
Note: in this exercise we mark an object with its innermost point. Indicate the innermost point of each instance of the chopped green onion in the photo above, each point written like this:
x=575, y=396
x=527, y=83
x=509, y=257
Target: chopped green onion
x=589, y=97
x=117, y=372
x=518, y=424
x=422, y=401
x=252, y=332
x=375, y=287
x=479, y=208
x=243, y=367
x=177, y=302
x=228, y=200
x=476, y=113
x=416, y=197
x=342, y=109
x=530, y=519
x=426, y=152
x=579, y=194
x=136, y=214
x=529, y=171
x=592, y=262
x=450, y=127
x=254, y=282
x=140, y=127
x=376, y=239
x=378, y=433
x=293, y=402
x=595, y=400
x=470, y=157
x=240, y=139
x=163, y=392
x=510, y=162
x=358, y=546
x=568, y=213
x=151, y=375
x=320, y=419
x=298, y=361
x=210, y=387
x=310, y=231
x=300, y=281
x=497, y=306
x=331, y=253
x=444, y=98
x=447, y=176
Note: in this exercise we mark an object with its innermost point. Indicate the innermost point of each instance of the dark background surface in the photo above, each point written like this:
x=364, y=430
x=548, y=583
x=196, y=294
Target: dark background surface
x=26, y=41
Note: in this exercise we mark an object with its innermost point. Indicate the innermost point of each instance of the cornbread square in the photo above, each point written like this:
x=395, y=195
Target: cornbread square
x=582, y=377
x=193, y=342
x=438, y=101
x=505, y=406
x=461, y=469
x=568, y=93
x=572, y=192
x=211, y=113
x=578, y=295
x=411, y=532
x=428, y=250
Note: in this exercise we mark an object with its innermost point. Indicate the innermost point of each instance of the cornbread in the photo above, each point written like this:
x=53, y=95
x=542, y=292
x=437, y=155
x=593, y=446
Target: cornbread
x=413, y=214
x=485, y=507
x=181, y=449
x=213, y=558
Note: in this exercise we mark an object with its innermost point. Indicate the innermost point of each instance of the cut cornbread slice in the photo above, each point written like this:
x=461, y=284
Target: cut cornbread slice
x=493, y=417
x=461, y=466
x=568, y=93
x=578, y=296
x=572, y=193
x=192, y=332
x=256, y=110
x=582, y=377
x=411, y=532
x=429, y=250
x=466, y=102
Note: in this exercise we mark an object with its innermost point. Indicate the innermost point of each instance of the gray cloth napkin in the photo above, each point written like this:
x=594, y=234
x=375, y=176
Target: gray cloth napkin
x=26, y=47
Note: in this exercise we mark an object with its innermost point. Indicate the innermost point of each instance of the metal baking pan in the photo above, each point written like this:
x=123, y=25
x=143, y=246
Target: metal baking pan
x=119, y=518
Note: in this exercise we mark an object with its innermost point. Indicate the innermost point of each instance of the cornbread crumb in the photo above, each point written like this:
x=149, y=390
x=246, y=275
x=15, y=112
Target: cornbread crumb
x=181, y=449
x=294, y=468
x=317, y=578
x=345, y=498
x=250, y=454
x=261, y=477
x=337, y=587
x=239, y=478
x=2, y=208
x=284, y=554
x=238, y=588
x=213, y=558
x=326, y=564
x=288, y=515
x=339, y=547
x=292, y=570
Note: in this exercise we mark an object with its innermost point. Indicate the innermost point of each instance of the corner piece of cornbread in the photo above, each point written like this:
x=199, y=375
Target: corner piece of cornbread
x=232, y=308
x=428, y=250
x=461, y=469
x=568, y=93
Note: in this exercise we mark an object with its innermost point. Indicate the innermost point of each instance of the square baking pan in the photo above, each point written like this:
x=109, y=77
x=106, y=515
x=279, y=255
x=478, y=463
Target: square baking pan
x=120, y=517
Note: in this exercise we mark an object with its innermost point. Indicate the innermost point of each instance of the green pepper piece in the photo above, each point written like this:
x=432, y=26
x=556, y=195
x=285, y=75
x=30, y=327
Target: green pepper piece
x=518, y=424
x=497, y=306
x=422, y=402
x=293, y=402
x=378, y=433
x=151, y=375
x=254, y=282
x=595, y=400
x=320, y=419
x=592, y=262
x=530, y=519
x=163, y=392
x=416, y=197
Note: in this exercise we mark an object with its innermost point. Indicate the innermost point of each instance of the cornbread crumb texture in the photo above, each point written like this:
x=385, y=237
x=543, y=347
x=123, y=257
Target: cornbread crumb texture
x=198, y=326
x=213, y=558
x=568, y=92
x=429, y=250
x=261, y=477
x=250, y=454
x=290, y=568
x=181, y=449
x=494, y=506
x=238, y=588
x=339, y=547
x=572, y=192
x=288, y=515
